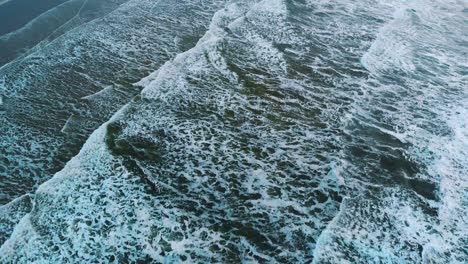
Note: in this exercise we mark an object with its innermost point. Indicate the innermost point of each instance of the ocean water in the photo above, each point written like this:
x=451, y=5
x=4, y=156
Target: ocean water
x=15, y=14
x=279, y=131
x=55, y=97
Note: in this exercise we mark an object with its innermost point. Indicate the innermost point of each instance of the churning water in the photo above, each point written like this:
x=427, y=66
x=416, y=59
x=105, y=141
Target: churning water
x=274, y=131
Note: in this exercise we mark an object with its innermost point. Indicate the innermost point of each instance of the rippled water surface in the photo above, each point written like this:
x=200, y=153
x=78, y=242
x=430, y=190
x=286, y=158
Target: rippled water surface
x=279, y=131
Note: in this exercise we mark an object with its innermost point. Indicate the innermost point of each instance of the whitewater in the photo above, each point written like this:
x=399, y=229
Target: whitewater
x=248, y=131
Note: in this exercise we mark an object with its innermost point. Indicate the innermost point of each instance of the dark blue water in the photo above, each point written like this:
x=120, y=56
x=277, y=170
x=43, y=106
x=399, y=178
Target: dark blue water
x=16, y=13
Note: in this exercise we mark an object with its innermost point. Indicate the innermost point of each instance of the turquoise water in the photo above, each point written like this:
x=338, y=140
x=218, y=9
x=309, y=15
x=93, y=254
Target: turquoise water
x=239, y=131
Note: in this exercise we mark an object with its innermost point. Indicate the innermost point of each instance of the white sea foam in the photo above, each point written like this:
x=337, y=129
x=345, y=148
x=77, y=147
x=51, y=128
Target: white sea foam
x=52, y=81
x=249, y=155
x=390, y=224
x=391, y=50
x=96, y=170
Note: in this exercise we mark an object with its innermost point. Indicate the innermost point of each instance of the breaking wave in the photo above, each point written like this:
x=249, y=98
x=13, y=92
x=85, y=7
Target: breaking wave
x=290, y=131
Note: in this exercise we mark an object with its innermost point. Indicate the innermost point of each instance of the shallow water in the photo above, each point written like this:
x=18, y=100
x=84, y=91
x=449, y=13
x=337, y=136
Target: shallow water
x=264, y=131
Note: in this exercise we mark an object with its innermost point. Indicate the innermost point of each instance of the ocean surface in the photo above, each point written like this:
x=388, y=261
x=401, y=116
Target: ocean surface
x=242, y=131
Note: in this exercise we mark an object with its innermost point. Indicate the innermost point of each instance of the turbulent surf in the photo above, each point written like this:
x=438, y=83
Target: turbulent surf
x=274, y=131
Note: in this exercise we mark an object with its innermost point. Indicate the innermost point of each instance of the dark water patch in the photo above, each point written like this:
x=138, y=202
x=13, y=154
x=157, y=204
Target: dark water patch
x=132, y=151
x=16, y=13
x=50, y=25
x=136, y=147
